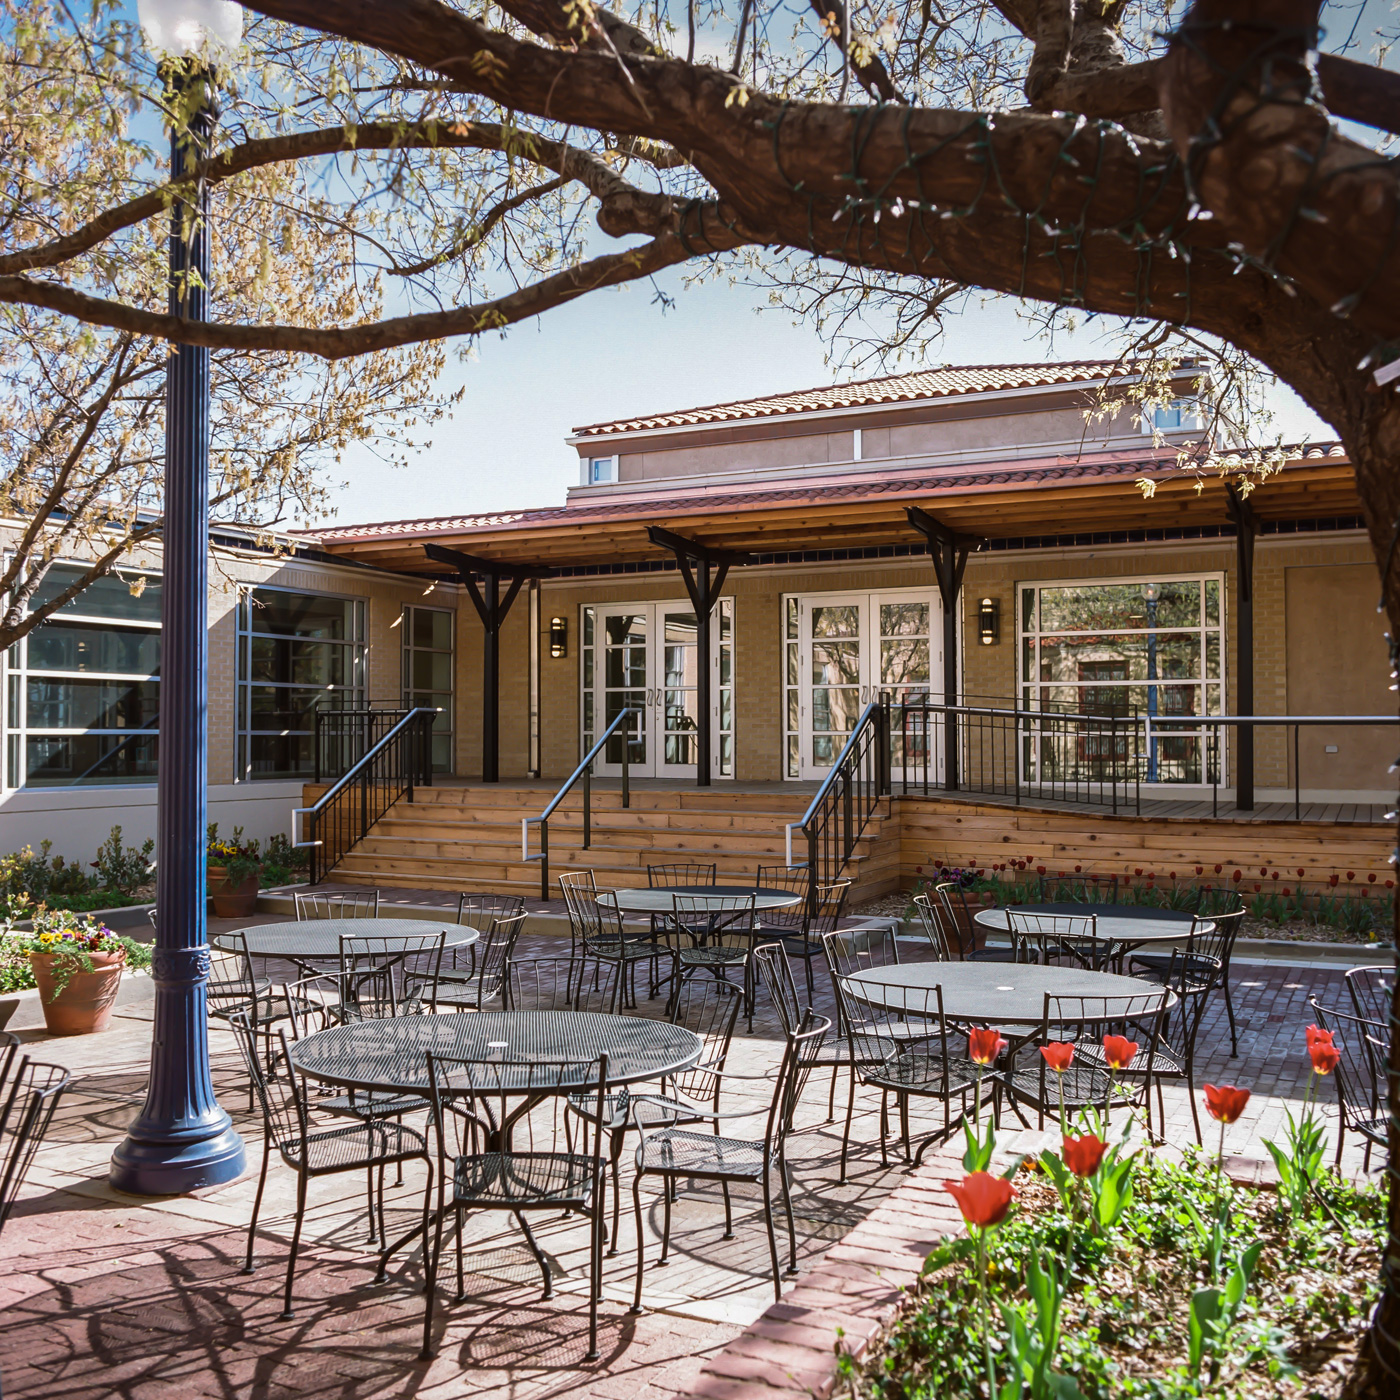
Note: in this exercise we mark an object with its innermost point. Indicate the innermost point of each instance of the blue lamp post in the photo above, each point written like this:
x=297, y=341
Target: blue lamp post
x=182, y=1139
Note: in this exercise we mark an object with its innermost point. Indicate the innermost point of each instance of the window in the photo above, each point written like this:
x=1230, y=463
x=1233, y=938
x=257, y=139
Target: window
x=297, y=653
x=601, y=469
x=1140, y=647
x=724, y=612
x=587, y=720
x=1182, y=415
x=82, y=690
x=428, y=673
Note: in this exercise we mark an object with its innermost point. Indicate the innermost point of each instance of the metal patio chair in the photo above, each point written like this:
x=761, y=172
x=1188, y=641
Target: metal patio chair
x=313, y=1150
x=1060, y=939
x=715, y=934
x=852, y=950
x=668, y=877
x=672, y=1152
x=561, y=984
x=926, y=911
x=962, y=929
x=596, y=929
x=29, y=1094
x=934, y=1067
x=1360, y=1079
x=1212, y=971
x=1370, y=989
x=802, y=928
x=337, y=904
x=473, y=990
x=480, y=911
x=491, y=1158
x=1088, y=1082
x=710, y=1008
x=389, y=974
x=232, y=986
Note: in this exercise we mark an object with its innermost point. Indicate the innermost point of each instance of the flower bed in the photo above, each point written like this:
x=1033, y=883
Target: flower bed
x=1112, y=1271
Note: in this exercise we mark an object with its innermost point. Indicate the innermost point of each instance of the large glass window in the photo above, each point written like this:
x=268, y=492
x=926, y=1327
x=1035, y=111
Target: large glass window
x=297, y=653
x=428, y=673
x=1131, y=648
x=82, y=690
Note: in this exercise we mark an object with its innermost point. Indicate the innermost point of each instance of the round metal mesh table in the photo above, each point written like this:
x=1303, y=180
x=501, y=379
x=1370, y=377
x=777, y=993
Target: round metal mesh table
x=391, y=1055
x=999, y=994
x=650, y=901
x=1126, y=925
x=318, y=940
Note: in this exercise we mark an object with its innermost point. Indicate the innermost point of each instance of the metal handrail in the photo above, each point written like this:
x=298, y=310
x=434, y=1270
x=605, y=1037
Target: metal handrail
x=361, y=774
x=845, y=773
x=584, y=771
x=349, y=725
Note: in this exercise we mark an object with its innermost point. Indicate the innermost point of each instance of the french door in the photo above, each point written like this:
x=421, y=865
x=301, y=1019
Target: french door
x=646, y=656
x=843, y=650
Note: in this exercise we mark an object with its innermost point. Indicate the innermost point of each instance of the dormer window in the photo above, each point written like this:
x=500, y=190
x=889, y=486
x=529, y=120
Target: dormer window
x=1179, y=416
x=601, y=469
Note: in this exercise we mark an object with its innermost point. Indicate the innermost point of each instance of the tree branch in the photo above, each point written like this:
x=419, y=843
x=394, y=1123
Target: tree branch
x=607, y=271
x=872, y=75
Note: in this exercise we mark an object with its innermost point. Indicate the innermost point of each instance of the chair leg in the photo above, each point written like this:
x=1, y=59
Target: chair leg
x=846, y=1133
x=595, y=1271
x=538, y=1253
x=787, y=1211
x=296, y=1243
x=669, y=1183
x=369, y=1202
x=257, y=1205
x=432, y=1255
x=1230, y=1013
x=728, y=1212
x=641, y=1240
x=811, y=988
x=831, y=1097
x=772, y=1237
x=615, y=1146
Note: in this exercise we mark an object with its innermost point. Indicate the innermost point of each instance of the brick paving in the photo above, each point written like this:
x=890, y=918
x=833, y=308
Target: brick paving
x=110, y=1295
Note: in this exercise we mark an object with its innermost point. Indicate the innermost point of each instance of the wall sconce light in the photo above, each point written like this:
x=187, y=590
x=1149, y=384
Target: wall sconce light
x=989, y=621
x=558, y=637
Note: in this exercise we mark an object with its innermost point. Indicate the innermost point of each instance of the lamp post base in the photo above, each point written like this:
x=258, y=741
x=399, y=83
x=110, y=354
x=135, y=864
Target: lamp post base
x=177, y=1165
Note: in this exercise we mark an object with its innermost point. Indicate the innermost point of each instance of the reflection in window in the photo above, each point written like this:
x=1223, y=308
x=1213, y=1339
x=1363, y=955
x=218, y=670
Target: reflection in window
x=82, y=701
x=428, y=673
x=298, y=654
x=1126, y=649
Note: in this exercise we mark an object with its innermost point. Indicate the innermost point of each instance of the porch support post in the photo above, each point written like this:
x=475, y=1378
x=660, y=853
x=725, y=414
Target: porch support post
x=949, y=551
x=704, y=571
x=1246, y=524
x=492, y=610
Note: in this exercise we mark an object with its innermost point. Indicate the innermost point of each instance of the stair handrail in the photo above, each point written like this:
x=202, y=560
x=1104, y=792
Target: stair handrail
x=872, y=729
x=584, y=771
x=404, y=760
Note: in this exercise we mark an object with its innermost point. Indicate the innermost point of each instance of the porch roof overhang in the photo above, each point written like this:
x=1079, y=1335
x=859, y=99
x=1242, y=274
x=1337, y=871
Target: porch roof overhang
x=1004, y=500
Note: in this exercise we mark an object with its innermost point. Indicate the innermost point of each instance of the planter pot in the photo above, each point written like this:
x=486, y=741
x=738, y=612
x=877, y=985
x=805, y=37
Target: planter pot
x=233, y=901
x=85, y=1003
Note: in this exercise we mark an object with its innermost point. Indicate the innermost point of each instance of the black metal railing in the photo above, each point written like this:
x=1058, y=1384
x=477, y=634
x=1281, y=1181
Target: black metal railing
x=1089, y=760
x=1163, y=730
x=585, y=772
x=343, y=737
x=389, y=769
x=837, y=816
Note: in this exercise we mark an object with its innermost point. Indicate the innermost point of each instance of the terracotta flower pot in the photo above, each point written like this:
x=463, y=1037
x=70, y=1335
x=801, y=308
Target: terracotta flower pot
x=85, y=1003
x=233, y=901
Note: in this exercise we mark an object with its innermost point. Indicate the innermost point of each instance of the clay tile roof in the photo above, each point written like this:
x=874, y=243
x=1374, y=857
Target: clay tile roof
x=891, y=388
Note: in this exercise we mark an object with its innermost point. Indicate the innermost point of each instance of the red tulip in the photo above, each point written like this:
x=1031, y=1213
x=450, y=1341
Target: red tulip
x=1324, y=1056
x=1351, y=874
x=1082, y=1155
x=984, y=1199
x=1058, y=1055
x=1119, y=1051
x=1371, y=879
x=1300, y=872
x=1237, y=876
x=984, y=1046
x=1316, y=1035
x=1225, y=1102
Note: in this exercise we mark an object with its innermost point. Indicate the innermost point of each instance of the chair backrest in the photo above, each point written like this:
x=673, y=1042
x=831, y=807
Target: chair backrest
x=932, y=924
x=479, y=910
x=710, y=1008
x=771, y=960
x=919, y=1006
x=796, y=1065
x=471, y=1099
x=591, y=920
x=1187, y=975
x=1219, y=942
x=1361, y=1072
x=957, y=917
x=494, y=950
x=720, y=920
x=1137, y=1016
x=851, y=950
x=1057, y=938
x=561, y=984
x=314, y=1003
x=389, y=974
x=831, y=905
x=665, y=877
x=1371, y=989
x=792, y=879
x=281, y=1094
x=231, y=982
x=28, y=1108
x=338, y=904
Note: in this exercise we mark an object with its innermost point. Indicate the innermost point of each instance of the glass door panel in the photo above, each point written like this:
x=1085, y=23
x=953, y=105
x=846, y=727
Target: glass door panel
x=679, y=710
x=623, y=659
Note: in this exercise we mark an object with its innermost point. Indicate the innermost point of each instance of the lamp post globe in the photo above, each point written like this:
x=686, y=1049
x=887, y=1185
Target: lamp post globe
x=182, y=1140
